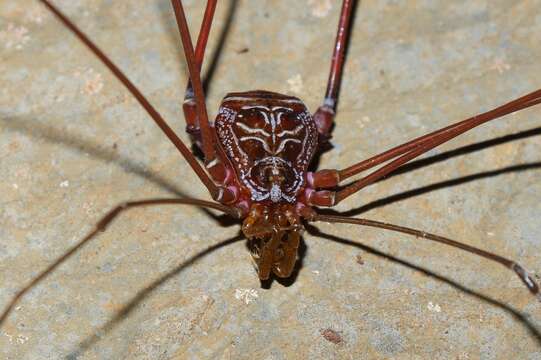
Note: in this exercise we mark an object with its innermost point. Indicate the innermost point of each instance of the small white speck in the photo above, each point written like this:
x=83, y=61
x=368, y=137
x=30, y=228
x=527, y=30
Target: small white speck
x=15, y=186
x=21, y=339
x=320, y=8
x=64, y=184
x=295, y=83
x=315, y=272
x=500, y=65
x=9, y=336
x=92, y=81
x=14, y=36
x=490, y=233
x=88, y=207
x=364, y=120
x=433, y=307
x=246, y=295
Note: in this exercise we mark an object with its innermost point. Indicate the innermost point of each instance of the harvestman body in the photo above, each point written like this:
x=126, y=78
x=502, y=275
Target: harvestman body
x=270, y=139
x=259, y=148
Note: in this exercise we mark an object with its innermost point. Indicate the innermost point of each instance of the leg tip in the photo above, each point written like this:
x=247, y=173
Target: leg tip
x=528, y=280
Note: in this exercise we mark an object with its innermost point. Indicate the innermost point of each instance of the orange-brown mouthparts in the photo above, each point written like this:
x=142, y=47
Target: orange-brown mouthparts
x=273, y=233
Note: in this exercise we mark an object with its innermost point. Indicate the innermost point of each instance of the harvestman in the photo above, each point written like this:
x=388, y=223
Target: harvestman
x=257, y=153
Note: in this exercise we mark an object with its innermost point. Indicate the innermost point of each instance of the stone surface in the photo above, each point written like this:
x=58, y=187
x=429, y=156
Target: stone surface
x=73, y=144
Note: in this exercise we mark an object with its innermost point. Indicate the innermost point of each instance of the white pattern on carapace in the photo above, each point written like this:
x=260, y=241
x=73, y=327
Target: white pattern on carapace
x=283, y=144
x=251, y=130
x=251, y=99
x=233, y=130
x=290, y=132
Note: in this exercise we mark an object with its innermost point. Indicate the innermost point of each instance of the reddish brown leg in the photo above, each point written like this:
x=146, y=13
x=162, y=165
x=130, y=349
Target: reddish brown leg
x=217, y=193
x=221, y=194
x=189, y=106
x=407, y=152
x=510, y=264
x=215, y=167
x=523, y=102
x=101, y=226
x=324, y=116
x=106, y=220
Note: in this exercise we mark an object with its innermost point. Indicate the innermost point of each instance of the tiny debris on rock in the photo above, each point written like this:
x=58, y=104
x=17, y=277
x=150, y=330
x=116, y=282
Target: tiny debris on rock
x=320, y=8
x=246, y=295
x=332, y=336
x=295, y=83
x=433, y=307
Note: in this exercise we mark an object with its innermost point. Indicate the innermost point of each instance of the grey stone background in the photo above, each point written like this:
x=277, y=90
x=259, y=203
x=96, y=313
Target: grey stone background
x=73, y=144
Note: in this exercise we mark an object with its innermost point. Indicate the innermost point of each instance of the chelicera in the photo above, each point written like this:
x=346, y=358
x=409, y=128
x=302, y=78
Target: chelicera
x=258, y=150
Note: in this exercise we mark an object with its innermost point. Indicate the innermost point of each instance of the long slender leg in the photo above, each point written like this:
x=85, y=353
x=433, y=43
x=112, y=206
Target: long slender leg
x=413, y=148
x=100, y=227
x=426, y=146
x=526, y=278
x=523, y=102
x=215, y=167
x=106, y=220
x=189, y=105
x=324, y=116
x=218, y=193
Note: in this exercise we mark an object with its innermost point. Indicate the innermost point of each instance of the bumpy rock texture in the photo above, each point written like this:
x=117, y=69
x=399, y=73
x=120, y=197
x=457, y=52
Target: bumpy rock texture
x=74, y=143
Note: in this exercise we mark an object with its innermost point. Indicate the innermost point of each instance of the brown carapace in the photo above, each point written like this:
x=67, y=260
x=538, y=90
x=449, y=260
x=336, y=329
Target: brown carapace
x=258, y=150
x=269, y=140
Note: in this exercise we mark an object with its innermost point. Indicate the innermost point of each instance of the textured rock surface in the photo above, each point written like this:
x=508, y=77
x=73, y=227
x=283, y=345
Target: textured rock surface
x=73, y=144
